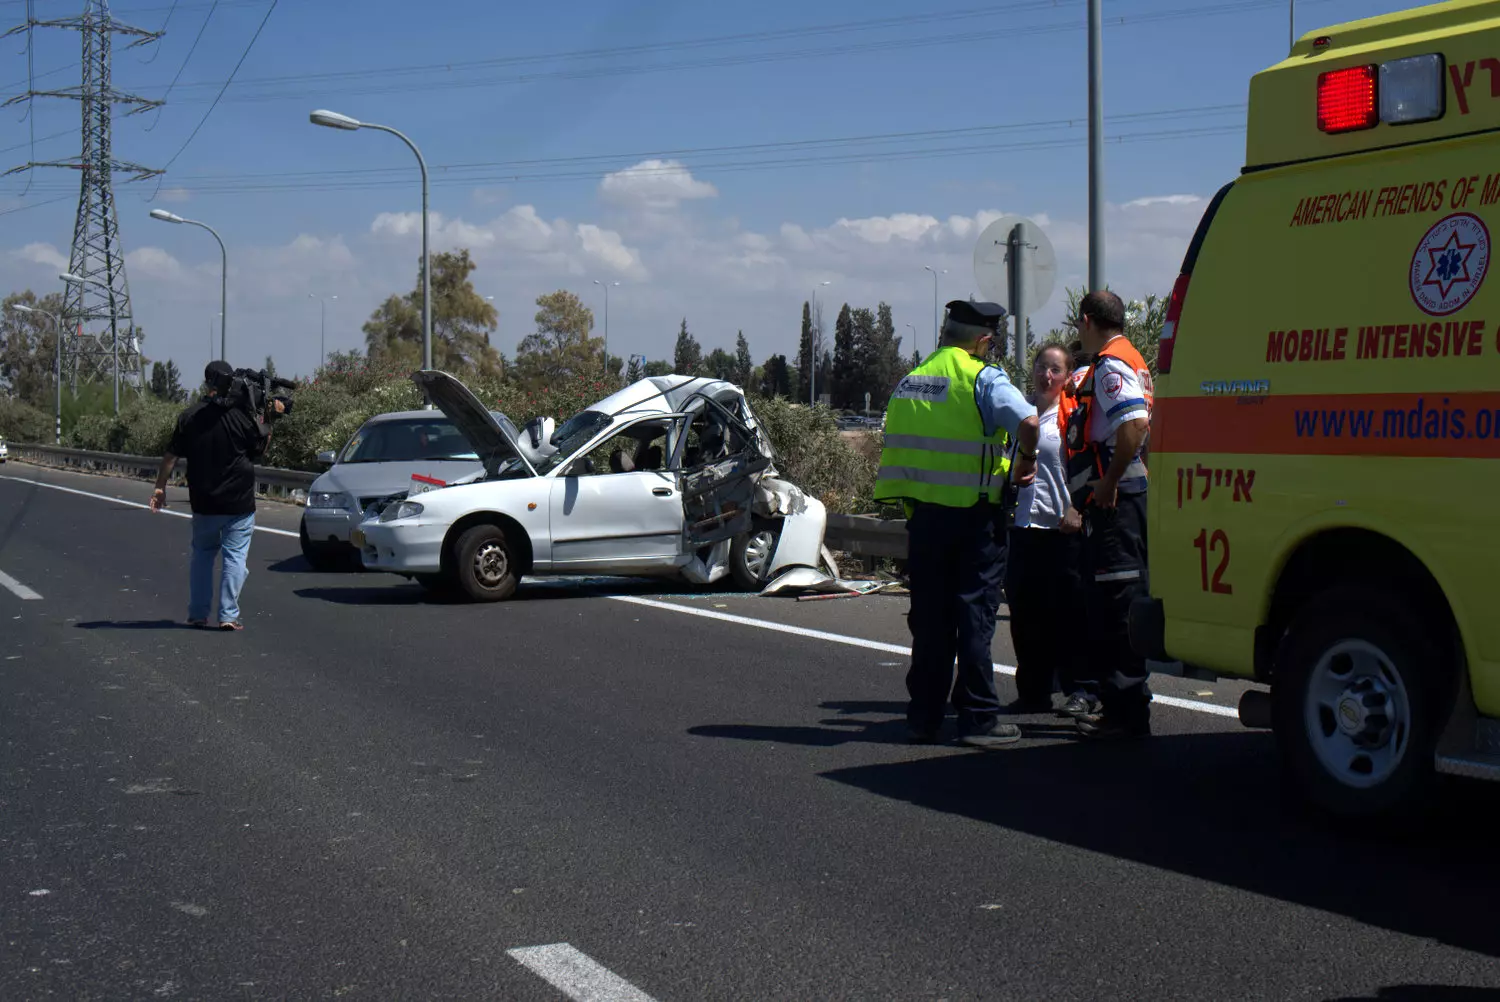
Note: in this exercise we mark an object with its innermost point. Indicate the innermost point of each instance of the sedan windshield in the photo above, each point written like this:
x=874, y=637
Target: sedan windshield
x=408, y=440
x=573, y=434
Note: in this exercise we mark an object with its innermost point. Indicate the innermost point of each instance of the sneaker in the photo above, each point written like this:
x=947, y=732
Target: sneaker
x=1103, y=728
x=1080, y=704
x=995, y=736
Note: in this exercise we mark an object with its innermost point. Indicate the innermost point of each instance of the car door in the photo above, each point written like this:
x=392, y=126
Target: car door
x=616, y=522
x=718, y=487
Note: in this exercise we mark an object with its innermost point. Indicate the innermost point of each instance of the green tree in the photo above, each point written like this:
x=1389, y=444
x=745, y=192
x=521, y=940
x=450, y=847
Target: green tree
x=270, y=366
x=744, y=367
x=776, y=377
x=885, y=367
x=635, y=371
x=28, y=348
x=804, y=352
x=462, y=322
x=846, y=365
x=166, y=382
x=720, y=365
x=560, y=347
x=687, y=355
x=660, y=367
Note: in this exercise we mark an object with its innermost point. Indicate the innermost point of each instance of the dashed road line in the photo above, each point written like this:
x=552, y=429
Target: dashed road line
x=133, y=504
x=17, y=589
x=876, y=645
x=577, y=975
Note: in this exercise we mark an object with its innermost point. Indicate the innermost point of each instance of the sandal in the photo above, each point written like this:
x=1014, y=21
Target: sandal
x=232, y=625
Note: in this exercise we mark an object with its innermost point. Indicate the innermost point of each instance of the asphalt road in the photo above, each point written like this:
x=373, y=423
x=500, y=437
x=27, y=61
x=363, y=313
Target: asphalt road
x=369, y=795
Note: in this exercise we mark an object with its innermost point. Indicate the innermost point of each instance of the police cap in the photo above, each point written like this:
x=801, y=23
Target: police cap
x=961, y=311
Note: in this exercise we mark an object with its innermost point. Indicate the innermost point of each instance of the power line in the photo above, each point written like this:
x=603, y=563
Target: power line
x=243, y=56
x=192, y=49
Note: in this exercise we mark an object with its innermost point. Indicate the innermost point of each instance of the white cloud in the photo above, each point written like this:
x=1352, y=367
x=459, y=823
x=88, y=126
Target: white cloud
x=171, y=195
x=40, y=253
x=654, y=184
x=153, y=263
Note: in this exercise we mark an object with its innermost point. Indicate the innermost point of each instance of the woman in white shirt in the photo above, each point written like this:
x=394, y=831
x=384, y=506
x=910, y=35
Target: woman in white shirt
x=1042, y=583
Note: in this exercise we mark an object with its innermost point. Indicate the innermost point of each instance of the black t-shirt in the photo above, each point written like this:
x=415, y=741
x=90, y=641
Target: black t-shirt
x=220, y=445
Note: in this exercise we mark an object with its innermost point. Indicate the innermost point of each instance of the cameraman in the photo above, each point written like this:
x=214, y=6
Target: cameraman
x=220, y=438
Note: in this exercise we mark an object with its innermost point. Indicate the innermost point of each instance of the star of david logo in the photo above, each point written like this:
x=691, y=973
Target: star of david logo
x=1450, y=265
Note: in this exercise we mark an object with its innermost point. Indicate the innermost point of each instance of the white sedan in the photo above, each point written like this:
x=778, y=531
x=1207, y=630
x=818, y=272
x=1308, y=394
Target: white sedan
x=687, y=490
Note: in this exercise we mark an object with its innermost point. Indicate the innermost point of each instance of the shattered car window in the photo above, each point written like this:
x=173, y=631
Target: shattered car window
x=572, y=435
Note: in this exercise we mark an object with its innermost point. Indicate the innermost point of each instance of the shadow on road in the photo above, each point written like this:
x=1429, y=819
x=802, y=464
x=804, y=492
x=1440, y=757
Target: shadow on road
x=395, y=591
x=1206, y=805
x=135, y=624
x=1424, y=993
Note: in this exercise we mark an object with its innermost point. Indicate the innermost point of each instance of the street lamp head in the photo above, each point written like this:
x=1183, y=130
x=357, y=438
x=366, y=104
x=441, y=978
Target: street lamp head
x=21, y=309
x=333, y=120
x=71, y=278
x=165, y=216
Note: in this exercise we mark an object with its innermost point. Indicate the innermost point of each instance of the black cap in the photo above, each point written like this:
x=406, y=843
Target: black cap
x=217, y=371
x=976, y=314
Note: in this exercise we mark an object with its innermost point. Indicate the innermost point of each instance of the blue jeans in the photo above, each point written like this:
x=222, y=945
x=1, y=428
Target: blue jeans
x=212, y=535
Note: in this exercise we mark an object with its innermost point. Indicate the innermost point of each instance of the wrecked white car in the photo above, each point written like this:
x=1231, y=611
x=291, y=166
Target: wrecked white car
x=670, y=477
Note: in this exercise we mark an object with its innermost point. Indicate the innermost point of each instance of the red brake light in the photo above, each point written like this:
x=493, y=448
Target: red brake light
x=1168, y=338
x=1346, y=99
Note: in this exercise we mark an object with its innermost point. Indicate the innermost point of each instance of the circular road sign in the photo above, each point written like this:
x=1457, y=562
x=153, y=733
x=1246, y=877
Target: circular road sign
x=992, y=264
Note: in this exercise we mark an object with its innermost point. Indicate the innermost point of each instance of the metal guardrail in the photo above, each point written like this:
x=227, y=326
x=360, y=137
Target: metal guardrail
x=269, y=481
x=860, y=535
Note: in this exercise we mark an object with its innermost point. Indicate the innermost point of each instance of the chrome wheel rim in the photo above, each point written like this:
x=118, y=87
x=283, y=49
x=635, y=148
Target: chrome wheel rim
x=1358, y=714
x=758, y=551
x=491, y=564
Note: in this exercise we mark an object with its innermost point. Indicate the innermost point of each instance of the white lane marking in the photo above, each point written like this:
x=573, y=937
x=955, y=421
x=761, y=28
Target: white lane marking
x=576, y=975
x=16, y=588
x=134, y=504
x=876, y=645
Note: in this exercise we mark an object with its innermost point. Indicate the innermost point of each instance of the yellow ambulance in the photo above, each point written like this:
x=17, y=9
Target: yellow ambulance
x=1325, y=447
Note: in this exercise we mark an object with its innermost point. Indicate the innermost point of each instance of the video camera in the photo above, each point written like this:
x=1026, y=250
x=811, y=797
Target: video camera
x=253, y=390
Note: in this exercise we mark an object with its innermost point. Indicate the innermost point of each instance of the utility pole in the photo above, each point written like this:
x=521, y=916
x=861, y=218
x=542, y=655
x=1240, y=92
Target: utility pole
x=1096, y=146
x=1291, y=13
x=103, y=301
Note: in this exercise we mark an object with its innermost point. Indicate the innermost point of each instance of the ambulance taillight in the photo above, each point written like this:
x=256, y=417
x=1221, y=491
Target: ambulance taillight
x=1168, y=339
x=1398, y=92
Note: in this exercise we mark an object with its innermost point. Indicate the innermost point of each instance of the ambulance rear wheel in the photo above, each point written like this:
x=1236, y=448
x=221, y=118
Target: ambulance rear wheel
x=1353, y=705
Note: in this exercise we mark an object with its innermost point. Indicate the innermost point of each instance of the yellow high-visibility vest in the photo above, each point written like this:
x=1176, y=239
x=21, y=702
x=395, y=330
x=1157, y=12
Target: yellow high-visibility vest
x=936, y=449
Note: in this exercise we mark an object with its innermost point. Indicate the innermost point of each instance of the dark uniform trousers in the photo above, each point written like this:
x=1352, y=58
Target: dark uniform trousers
x=954, y=566
x=1114, y=575
x=1044, y=592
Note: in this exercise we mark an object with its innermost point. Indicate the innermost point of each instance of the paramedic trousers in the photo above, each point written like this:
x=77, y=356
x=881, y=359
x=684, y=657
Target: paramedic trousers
x=1044, y=593
x=955, y=574
x=1114, y=575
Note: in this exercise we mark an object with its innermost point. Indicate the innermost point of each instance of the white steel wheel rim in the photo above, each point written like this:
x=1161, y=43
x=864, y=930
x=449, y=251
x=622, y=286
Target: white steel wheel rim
x=1357, y=714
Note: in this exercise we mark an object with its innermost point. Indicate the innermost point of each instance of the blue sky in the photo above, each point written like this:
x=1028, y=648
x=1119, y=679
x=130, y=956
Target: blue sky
x=644, y=143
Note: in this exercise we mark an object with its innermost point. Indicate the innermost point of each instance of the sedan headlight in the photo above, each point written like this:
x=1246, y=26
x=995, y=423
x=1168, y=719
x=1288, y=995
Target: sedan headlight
x=406, y=509
x=329, y=499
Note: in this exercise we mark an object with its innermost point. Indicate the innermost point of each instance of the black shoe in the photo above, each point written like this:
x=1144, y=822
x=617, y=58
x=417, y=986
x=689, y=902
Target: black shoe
x=995, y=736
x=1018, y=707
x=1100, y=727
x=1080, y=704
x=917, y=736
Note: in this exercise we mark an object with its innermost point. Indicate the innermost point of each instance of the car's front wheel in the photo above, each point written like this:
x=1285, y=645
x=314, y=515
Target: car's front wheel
x=484, y=564
x=751, y=554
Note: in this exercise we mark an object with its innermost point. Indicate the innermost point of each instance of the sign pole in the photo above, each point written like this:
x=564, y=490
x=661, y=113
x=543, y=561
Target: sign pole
x=1017, y=285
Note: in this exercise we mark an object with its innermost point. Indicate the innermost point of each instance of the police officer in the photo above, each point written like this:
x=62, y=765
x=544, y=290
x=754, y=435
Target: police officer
x=947, y=434
x=1106, y=421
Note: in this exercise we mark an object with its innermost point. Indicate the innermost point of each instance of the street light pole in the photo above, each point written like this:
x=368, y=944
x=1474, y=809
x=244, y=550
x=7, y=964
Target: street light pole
x=333, y=120
x=322, y=326
x=57, y=330
x=936, y=315
x=72, y=279
x=1291, y=14
x=1096, y=146
x=913, y=336
x=606, y=286
x=171, y=217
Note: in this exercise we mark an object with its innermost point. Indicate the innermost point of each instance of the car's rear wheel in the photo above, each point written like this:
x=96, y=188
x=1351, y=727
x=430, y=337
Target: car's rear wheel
x=484, y=564
x=750, y=555
x=1353, y=694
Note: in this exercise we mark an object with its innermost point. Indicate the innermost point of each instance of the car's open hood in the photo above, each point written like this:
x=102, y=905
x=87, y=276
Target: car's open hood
x=492, y=442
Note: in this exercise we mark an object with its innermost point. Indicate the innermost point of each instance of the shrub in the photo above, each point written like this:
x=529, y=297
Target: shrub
x=811, y=453
x=23, y=423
